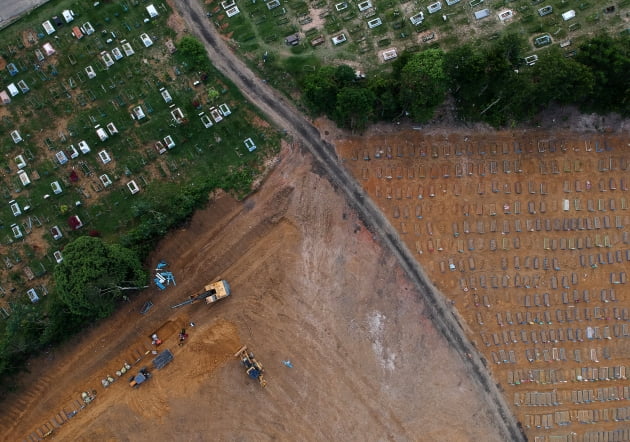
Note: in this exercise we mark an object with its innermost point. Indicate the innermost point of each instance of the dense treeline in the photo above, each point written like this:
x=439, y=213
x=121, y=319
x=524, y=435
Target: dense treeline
x=489, y=82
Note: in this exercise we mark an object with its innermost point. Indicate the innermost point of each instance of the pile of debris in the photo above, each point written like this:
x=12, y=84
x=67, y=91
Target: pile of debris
x=163, y=278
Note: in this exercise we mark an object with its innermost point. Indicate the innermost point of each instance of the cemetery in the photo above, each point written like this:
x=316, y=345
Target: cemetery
x=318, y=28
x=533, y=258
x=84, y=108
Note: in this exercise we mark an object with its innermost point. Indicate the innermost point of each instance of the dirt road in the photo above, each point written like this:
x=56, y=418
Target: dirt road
x=285, y=116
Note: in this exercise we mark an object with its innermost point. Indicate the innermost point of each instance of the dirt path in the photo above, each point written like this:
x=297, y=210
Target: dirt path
x=286, y=117
x=12, y=10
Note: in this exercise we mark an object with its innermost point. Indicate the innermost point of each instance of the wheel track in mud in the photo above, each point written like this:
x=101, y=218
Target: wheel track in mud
x=286, y=116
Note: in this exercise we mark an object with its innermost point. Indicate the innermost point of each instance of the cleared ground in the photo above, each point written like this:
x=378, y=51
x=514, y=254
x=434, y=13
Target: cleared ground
x=310, y=285
x=10, y=9
x=526, y=233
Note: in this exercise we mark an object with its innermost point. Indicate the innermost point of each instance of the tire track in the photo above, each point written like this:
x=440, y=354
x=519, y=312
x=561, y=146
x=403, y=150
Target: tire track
x=286, y=116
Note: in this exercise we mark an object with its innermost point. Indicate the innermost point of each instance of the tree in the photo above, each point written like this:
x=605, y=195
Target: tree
x=344, y=76
x=194, y=52
x=386, y=91
x=510, y=47
x=560, y=79
x=94, y=274
x=512, y=103
x=609, y=60
x=465, y=67
x=423, y=83
x=354, y=108
x=22, y=335
x=320, y=90
x=24, y=327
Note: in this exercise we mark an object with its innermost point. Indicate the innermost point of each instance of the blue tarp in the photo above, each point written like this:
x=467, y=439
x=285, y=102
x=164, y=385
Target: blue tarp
x=162, y=264
x=140, y=378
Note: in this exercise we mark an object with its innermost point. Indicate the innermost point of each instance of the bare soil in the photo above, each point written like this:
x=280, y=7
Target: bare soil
x=175, y=21
x=309, y=285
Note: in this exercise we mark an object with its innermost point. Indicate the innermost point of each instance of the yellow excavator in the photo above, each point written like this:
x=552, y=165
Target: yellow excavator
x=211, y=293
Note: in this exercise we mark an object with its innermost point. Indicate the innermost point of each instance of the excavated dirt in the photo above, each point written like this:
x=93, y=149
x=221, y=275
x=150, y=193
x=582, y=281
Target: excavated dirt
x=526, y=233
x=309, y=285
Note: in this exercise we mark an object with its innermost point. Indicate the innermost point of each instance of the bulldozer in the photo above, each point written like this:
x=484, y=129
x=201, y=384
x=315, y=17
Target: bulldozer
x=253, y=368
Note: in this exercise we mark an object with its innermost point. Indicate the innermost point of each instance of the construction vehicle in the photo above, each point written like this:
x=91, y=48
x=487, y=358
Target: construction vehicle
x=142, y=376
x=253, y=368
x=216, y=291
x=211, y=293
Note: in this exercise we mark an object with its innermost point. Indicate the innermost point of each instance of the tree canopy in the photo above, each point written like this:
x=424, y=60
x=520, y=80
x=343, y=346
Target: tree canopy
x=423, y=84
x=93, y=276
x=194, y=53
x=337, y=93
x=488, y=80
x=354, y=108
x=609, y=60
x=320, y=90
x=561, y=79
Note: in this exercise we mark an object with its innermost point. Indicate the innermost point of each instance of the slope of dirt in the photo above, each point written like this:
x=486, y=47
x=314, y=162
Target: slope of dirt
x=309, y=285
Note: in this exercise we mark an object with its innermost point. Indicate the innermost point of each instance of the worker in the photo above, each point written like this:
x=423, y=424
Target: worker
x=182, y=337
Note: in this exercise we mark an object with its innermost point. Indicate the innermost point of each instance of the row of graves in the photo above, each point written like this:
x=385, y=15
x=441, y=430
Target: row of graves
x=533, y=258
x=385, y=28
